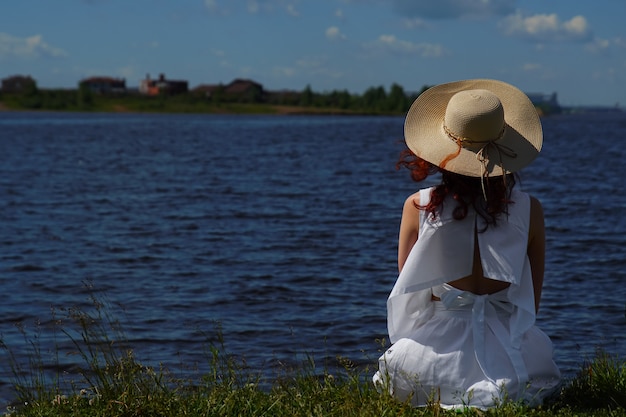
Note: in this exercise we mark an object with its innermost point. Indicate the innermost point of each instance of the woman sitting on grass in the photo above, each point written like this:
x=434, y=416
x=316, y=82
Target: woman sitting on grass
x=471, y=250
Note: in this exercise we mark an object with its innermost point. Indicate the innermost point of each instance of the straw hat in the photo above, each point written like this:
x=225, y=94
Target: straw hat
x=476, y=128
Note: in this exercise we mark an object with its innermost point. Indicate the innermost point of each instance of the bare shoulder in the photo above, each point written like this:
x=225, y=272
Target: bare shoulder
x=412, y=201
x=411, y=211
x=409, y=227
x=411, y=214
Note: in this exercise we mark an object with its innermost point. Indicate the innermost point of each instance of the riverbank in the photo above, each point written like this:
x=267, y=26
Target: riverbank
x=232, y=108
x=111, y=381
x=266, y=109
x=126, y=388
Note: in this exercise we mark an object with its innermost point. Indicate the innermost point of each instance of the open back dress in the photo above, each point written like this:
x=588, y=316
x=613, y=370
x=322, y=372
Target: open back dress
x=467, y=349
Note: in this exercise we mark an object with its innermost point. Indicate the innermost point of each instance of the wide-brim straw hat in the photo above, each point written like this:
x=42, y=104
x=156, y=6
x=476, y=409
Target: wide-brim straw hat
x=476, y=128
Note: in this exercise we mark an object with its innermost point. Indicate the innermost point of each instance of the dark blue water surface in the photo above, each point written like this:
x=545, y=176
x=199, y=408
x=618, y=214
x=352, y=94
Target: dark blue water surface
x=281, y=228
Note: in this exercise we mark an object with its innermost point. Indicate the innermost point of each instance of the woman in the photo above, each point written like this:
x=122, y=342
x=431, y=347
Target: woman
x=461, y=315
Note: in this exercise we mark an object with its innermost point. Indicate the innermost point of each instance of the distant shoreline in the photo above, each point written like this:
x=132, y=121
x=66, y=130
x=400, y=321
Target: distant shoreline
x=231, y=110
x=261, y=109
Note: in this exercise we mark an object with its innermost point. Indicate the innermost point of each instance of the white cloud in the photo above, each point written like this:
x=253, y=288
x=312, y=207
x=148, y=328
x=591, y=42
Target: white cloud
x=128, y=72
x=253, y=6
x=284, y=71
x=29, y=47
x=334, y=33
x=245, y=71
x=217, y=7
x=310, y=63
x=546, y=28
x=607, y=46
x=531, y=67
x=389, y=43
x=232, y=7
x=318, y=66
x=607, y=75
x=577, y=24
x=598, y=45
x=620, y=43
x=415, y=23
x=292, y=11
x=449, y=9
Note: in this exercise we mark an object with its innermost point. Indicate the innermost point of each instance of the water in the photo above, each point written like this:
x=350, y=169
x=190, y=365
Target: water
x=281, y=228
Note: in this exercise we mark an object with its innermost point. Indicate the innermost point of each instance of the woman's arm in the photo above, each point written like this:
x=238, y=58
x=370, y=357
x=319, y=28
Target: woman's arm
x=409, y=228
x=537, y=248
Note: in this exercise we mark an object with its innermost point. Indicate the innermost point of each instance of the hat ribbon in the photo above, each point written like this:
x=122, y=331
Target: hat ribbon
x=480, y=155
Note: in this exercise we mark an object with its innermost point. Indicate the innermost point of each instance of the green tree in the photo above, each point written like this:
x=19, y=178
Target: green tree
x=217, y=96
x=306, y=98
x=30, y=89
x=374, y=98
x=397, y=100
x=85, y=98
x=342, y=99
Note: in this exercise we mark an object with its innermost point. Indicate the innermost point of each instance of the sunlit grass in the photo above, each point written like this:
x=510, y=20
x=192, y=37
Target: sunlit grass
x=112, y=382
x=601, y=382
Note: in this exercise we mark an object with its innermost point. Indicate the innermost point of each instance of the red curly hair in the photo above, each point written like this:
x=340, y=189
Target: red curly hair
x=465, y=191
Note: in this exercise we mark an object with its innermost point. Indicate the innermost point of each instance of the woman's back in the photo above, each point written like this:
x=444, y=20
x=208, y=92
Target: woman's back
x=477, y=283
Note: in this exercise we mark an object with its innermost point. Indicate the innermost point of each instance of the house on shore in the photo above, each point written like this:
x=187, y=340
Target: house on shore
x=18, y=84
x=238, y=90
x=162, y=85
x=104, y=85
x=209, y=90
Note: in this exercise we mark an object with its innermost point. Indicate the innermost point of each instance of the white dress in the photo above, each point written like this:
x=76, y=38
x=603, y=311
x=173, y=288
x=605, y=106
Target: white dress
x=467, y=349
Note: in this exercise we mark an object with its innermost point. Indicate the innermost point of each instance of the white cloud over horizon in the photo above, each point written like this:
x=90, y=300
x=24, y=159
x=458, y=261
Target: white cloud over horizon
x=546, y=28
x=450, y=9
x=333, y=33
x=28, y=47
x=389, y=43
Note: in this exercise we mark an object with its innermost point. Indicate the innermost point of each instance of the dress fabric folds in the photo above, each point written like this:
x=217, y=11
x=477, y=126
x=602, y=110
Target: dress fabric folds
x=467, y=349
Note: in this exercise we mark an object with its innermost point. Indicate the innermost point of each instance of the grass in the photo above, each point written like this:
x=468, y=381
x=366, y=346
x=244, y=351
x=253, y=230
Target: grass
x=600, y=383
x=112, y=382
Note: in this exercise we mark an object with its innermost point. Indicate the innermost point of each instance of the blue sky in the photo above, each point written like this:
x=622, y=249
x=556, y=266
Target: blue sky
x=574, y=48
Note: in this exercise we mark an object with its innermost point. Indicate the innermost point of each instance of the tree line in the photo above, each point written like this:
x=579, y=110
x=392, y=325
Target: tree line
x=373, y=100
